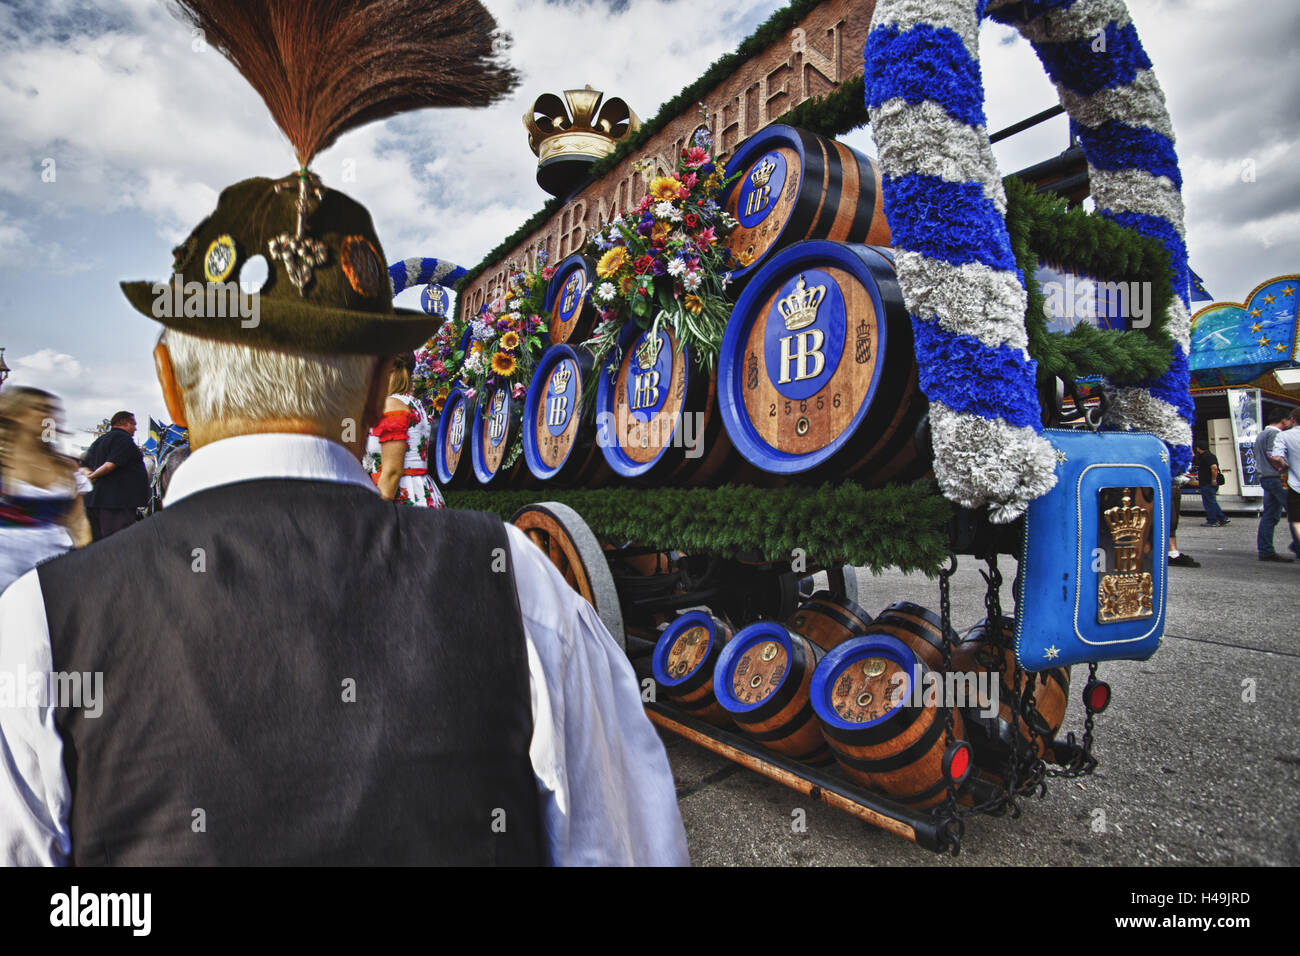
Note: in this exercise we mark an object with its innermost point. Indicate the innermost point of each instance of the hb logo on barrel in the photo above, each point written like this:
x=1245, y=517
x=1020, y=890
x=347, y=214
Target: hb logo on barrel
x=557, y=401
x=801, y=353
x=497, y=417
x=456, y=434
x=572, y=288
x=645, y=388
x=764, y=180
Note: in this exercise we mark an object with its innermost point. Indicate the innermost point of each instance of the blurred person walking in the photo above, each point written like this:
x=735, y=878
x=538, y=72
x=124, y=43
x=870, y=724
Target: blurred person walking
x=41, y=511
x=397, y=449
x=119, y=477
x=1285, y=457
x=1270, y=479
x=1210, y=478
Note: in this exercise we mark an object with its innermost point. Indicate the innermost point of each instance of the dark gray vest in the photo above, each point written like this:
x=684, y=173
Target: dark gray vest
x=226, y=734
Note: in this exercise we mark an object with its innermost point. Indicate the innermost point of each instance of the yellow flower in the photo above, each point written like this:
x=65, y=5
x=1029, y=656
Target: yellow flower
x=611, y=262
x=694, y=304
x=510, y=340
x=665, y=187
x=439, y=400
x=659, y=231
x=503, y=364
x=475, y=348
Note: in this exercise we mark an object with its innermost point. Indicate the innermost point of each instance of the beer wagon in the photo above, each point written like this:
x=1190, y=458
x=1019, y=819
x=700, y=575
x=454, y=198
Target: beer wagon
x=711, y=488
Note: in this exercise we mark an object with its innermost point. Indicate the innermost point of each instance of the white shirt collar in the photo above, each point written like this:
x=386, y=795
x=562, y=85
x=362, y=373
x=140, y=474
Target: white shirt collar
x=251, y=457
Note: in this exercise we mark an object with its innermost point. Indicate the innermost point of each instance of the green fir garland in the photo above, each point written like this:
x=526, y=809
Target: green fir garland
x=1042, y=228
x=903, y=526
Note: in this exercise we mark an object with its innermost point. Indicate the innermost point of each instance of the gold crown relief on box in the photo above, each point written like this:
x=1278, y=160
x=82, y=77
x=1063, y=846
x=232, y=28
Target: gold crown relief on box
x=579, y=124
x=1128, y=527
x=799, y=308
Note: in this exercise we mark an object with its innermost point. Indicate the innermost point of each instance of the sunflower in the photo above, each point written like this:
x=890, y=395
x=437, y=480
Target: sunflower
x=665, y=187
x=503, y=364
x=694, y=304
x=510, y=340
x=439, y=400
x=611, y=262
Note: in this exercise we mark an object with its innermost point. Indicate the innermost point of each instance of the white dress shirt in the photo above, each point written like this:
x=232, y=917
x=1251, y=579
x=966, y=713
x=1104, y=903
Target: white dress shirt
x=1287, y=447
x=603, y=781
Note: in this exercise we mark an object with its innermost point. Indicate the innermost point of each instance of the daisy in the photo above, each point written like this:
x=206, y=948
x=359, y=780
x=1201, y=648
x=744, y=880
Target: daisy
x=606, y=291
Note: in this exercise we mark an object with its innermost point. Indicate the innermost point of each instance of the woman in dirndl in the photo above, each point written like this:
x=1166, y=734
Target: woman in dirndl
x=397, y=449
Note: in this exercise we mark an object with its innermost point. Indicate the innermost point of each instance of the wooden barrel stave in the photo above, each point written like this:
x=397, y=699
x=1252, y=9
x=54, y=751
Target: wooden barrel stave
x=892, y=745
x=829, y=620
x=572, y=314
x=816, y=377
x=684, y=671
x=776, y=711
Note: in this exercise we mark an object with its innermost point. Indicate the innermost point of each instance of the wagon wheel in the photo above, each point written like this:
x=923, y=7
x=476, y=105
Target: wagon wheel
x=569, y=544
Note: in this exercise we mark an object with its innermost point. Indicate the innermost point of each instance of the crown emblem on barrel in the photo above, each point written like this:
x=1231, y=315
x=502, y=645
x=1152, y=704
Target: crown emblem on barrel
x=799, y=308
x=1128, y=526
x=568, y=135
x=498, y=403
x=560, y=380
x=762, y=172
x=647, y=354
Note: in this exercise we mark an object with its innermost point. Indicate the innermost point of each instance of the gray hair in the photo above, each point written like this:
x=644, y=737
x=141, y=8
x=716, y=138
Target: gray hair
x=227, y=381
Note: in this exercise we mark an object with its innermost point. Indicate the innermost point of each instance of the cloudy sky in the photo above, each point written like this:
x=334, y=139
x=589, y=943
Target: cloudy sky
x=142, y=131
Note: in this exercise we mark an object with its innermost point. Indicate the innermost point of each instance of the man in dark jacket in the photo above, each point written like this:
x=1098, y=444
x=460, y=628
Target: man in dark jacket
x=1207, y=473
x=117, y=471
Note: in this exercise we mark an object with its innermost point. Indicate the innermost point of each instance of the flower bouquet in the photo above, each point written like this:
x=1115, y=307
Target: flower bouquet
x=664, y=262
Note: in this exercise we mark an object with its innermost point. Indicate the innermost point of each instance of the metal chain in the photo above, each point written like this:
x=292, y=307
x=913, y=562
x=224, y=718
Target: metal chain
x=1084, y=763
x=949, y=810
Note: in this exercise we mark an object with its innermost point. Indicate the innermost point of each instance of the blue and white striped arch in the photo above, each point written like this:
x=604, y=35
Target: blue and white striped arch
x=946, y=208
x=417, y=271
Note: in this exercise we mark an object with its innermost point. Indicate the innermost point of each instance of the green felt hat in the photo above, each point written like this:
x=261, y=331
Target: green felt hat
x=326, y=285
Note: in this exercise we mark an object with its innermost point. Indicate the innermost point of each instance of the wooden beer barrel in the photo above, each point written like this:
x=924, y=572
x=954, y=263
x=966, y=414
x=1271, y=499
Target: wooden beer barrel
x=568, y=300
x=868, y=697
x=918, y=628
x=451, y=463
x=816, y=377
x=992, y=736
x=495, y=423
x=762, y=679
x=829, y=620
x=796, y=185
x=559, y=440
x=657, y=417
x=684, y=660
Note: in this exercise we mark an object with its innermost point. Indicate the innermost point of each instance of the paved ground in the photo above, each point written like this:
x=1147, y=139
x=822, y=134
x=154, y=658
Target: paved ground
x=1190, y=772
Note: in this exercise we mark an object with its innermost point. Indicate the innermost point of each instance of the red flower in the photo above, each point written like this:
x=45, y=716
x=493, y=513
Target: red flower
x=691, y=220
x=706, y=238
x=548, y=272
x=643, y=264
x=689, y=180
x=696, y=155
x=646, y=200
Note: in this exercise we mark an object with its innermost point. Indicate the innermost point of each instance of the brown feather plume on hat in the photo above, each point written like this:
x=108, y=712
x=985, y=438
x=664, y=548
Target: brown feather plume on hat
x=327, y=66
x=323, y=67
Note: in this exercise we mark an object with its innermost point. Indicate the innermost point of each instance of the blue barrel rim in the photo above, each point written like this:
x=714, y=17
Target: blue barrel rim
x=454, y=396
x=483, y=476
x=621, y=463
x=740, y=642
x=682, y=622
x=836, y=660
x=753, y=146
x=537, y=387
x=561, y=271
x=731, y=389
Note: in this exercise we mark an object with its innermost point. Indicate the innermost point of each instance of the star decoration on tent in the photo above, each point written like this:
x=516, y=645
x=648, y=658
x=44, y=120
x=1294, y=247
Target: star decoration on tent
x=1052, y=653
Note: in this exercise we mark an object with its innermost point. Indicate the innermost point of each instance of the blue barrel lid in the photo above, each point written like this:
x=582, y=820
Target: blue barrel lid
x=492, y=415
x=659, y=660
x=764, y=175
x=629, y=340
x=783, y=273
x=849, y=653
x=743, y=640
x=540, y=390
x=455, y=400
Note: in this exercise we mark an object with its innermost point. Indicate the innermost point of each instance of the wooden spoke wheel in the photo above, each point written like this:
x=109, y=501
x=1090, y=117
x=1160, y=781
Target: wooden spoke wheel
x=566, y=540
